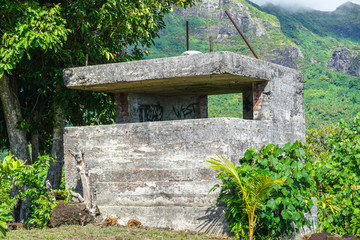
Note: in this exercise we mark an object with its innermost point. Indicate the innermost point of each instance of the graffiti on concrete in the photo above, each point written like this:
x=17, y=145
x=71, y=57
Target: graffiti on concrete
x=181, y=112
x=149, y=113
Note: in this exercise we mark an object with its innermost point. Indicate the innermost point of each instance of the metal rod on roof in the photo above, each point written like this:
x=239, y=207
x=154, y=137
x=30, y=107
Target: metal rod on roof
x=238, y=29
x=187, y=36
x=211, y=43
x=87, y=59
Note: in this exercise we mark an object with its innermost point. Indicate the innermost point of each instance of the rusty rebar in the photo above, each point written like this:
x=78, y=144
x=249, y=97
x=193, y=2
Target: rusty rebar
x=238, y=29
x=187, y=36
x=211, y=43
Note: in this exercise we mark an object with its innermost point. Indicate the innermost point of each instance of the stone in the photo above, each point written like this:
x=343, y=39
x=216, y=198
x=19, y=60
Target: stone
x=320, y=236
x=342, y=59
x=71, y=213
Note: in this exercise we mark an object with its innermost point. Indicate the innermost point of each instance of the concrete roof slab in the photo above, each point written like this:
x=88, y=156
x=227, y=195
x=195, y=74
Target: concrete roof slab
x=210, y=73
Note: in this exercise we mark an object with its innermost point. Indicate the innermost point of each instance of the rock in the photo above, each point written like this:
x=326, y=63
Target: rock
x=319, y=236
x=342, y=59
x=71, y=213
x=354, y=69
x=327, y=236
x=286, y=56
x=214, y=10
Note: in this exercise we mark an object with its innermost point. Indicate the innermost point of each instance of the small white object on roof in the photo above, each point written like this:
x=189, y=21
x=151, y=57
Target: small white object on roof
x=190, y=52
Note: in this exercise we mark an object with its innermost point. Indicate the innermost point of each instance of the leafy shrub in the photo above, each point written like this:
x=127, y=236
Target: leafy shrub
x=252, y=189
x=288, y=204
x=42, y=199
x=8, y=166
x=339, y=175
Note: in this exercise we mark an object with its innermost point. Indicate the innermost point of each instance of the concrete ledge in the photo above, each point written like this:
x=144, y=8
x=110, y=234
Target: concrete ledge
x=210, y=73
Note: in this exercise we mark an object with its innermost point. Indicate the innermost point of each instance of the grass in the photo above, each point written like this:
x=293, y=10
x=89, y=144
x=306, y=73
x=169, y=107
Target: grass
x=92, y=232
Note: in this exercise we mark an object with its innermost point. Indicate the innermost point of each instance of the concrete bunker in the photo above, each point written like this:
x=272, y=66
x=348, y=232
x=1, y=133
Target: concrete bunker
x=151, y=167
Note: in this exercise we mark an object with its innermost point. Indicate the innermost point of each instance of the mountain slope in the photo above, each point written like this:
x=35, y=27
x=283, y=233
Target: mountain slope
x=308, y=40
x=330, y=42
x=208, y=18
x=341, y=23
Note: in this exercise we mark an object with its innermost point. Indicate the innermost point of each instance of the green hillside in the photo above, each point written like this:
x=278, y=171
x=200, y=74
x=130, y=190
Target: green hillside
x=329, y=95
x=276, y=34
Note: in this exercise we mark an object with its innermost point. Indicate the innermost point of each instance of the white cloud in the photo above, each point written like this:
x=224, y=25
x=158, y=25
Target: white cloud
x=323, y=5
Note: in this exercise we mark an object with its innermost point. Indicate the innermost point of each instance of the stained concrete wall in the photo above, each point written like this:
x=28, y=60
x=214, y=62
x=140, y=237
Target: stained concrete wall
x=134, y=107
x=154, y=171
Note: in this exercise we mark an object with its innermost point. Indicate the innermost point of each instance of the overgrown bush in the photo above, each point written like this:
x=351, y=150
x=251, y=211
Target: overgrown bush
x=338, y=175
x=8, y=166
x=294, y=163
x=252, y=189
x=42, y=199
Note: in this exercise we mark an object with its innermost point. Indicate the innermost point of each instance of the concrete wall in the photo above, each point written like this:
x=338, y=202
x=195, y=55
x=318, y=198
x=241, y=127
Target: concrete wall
x=134, y=107
x=155, y=172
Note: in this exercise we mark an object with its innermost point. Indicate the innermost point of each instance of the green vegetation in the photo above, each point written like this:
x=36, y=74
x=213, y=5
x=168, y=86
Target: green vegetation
x=233, y=106
x=341, y=23
x=252, y=190
x=328, y=169
x=30, y=182
x=8, y=166
x=338, y=175
x=293, y=163
x=329, y=95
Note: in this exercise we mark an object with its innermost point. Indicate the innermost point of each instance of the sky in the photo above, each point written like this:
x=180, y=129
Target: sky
x=323, y=5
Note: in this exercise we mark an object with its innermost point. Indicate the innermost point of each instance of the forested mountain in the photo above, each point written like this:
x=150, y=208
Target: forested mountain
x=325, y=46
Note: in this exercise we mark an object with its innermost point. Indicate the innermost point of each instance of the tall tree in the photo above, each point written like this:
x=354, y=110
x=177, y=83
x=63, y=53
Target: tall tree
x=41, y=37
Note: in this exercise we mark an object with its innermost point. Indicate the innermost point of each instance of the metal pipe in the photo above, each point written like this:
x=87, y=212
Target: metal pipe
x=187, y=36
x=87, y=60
x=237, y=28
x=211, y=43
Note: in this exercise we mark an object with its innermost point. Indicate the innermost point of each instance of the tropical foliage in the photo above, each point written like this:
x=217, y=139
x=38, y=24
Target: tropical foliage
x=327, y=169
x=337, y=175
x=30, y=180
x=8, y=166
x=253, y=190
x=288, y=204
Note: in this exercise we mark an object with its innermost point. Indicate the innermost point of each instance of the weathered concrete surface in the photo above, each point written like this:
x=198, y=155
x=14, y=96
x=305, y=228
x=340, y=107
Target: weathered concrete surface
x=154, y=171
x=200, y=74
x=134, y=107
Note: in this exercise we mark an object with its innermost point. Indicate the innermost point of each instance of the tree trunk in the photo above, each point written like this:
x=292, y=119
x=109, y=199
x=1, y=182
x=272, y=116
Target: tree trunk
x=57, y=150
x=12, y=113
x=322, y=220
x=34, y=146
x=89, y=196
x=17, y=137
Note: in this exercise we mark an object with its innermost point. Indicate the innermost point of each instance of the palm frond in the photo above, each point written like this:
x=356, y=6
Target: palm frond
x=253, y=189
x=260, y=188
